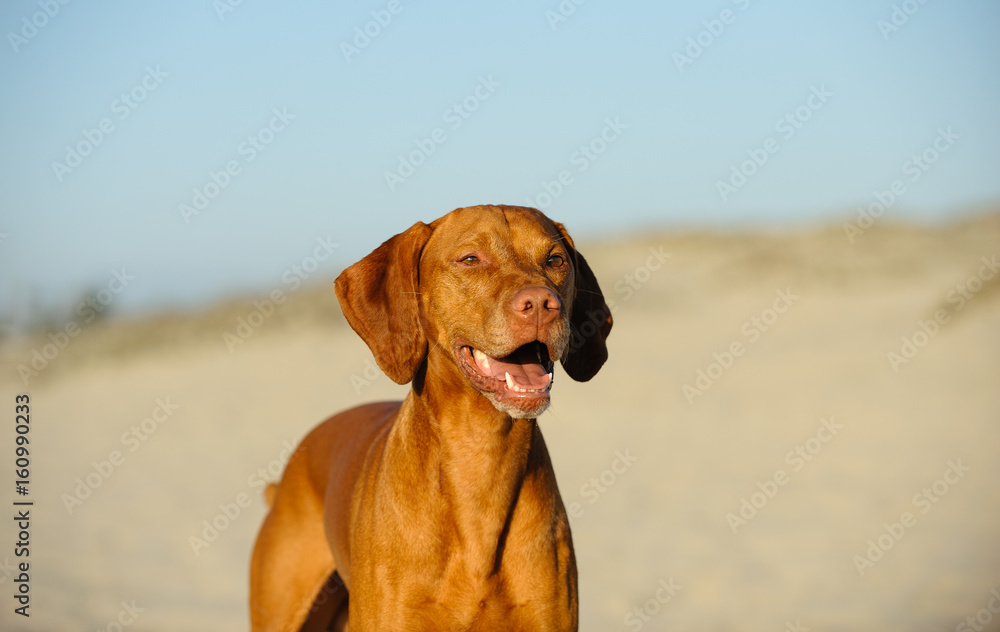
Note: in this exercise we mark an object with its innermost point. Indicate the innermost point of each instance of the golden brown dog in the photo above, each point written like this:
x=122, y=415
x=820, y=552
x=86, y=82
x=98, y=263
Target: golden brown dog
x=441, y=512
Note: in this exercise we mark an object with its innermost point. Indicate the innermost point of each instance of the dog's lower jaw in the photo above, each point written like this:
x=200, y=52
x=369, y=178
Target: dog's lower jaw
x=516, y=412
x=524, y=397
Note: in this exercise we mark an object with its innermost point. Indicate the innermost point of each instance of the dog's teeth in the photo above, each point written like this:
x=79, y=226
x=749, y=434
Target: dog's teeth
x=481, y=358
x=510, y=381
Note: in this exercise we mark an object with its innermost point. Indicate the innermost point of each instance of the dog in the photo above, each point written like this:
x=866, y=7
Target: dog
x=441, y=512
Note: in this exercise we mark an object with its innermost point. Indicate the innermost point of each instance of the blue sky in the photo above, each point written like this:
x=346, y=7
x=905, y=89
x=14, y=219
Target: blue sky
x=673, y=129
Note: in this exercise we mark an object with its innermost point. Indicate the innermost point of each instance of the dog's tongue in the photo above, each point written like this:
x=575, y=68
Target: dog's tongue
x=524, y=366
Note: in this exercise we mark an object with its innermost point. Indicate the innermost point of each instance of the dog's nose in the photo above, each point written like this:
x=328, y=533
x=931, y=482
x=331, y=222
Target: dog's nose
x=538, y=304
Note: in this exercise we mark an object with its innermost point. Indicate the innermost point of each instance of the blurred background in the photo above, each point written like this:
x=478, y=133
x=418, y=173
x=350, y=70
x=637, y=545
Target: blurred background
x=793, y=209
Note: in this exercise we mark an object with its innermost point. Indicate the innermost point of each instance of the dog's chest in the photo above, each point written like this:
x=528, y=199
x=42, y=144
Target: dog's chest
x=520, y=598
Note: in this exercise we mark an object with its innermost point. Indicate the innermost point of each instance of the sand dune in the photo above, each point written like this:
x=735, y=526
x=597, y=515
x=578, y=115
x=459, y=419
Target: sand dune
x=753, y=457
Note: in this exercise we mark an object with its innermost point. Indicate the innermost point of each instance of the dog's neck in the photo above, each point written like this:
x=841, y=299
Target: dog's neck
x=481, y=456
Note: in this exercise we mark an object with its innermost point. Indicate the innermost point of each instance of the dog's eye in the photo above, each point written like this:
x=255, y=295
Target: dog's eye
x=555, y=261
x=469, y=260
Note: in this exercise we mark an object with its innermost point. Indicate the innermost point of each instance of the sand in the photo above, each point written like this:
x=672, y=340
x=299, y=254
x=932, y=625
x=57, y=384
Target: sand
x=808, y=481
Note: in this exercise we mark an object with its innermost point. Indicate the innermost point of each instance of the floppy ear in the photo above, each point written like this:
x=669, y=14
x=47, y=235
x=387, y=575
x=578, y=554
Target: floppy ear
x=380, y=298
x=590, y=320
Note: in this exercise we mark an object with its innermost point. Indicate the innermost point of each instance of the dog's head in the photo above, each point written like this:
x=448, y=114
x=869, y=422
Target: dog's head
x=500, y=291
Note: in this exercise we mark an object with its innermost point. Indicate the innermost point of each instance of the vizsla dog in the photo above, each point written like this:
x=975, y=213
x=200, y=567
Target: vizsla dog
x=441, y=512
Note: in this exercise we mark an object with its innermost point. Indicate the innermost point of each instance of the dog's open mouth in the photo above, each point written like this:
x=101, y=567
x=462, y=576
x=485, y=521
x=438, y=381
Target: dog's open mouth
x=524, y=374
